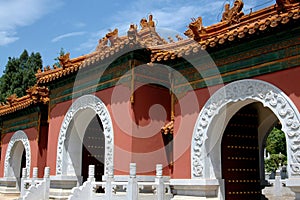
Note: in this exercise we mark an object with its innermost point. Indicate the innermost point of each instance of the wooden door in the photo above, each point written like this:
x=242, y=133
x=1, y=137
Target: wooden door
x=240, y=156
x=93, y=149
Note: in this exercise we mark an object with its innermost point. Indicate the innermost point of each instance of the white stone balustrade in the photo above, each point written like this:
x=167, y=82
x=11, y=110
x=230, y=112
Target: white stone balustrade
x=35, y=188
x=133, y=187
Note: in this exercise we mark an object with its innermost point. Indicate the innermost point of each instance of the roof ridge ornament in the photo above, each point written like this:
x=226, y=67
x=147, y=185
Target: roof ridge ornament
x=113, y=37
x=281, y=5
x=233, y=15
x=144, y=23
x=64, y=60
x=132, y=35
x=38, y=94
x=12, y=99
x=195, y=29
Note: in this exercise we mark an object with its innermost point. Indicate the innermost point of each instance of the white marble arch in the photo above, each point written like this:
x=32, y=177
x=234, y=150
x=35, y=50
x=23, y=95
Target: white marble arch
x=222, y=105
x=12, y=163
x=90, y=105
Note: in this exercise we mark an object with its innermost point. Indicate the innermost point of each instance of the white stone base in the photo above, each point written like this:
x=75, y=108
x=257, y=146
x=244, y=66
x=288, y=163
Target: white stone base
x=59, y=194
x=8, y=186
x=139, y=178
x=181, y=197
x=61, y=186
x=294, y=185
x=65, y=182
x=195, y=187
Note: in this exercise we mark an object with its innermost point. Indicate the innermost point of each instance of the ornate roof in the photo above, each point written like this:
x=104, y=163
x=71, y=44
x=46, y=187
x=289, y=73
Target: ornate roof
x=234, y=25
x=34, y=95
x=107, y=47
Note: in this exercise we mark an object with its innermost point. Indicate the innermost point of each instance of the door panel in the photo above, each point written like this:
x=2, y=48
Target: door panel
x=240, y=156
x=93, y=149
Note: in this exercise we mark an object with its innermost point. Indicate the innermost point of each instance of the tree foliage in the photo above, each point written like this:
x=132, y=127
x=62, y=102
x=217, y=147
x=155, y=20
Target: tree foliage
x=276, y=147
x=19, y=74
x=276, y=142
x=274, y=162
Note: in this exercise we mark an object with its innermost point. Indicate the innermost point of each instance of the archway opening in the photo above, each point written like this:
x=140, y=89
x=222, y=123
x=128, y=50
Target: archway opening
x=23, y=162
x=84, y=146
x=240, y=155
x=272, y=104
x=275, y=152
x=93, y=149
x=17, y=161
x=243, y=151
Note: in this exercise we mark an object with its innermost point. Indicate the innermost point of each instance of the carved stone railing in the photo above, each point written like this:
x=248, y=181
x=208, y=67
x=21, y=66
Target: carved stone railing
x=35, y=188
x=158, y=189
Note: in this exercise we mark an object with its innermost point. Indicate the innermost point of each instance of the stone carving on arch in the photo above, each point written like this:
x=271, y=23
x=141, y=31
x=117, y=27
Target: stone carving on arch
x=17, y=136
x=94, y=103
x=255, y=90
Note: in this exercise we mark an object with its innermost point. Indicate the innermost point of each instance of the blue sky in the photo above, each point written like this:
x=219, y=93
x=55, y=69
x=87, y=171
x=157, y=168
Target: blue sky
x=46, y=26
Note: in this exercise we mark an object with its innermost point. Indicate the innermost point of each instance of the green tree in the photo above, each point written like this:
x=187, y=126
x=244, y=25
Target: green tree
x=19, y=74
x=276, y=142
x=276, y=147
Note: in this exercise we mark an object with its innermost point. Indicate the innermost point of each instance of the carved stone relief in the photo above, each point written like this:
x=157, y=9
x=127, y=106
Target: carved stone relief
x=94, y=103
x=18, y=136
x=260, y=91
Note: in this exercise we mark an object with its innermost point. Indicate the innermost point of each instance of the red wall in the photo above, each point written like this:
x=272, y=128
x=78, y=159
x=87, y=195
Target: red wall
x=150, y=112
x=288, y=81
x=137, y=135
x=137, y=126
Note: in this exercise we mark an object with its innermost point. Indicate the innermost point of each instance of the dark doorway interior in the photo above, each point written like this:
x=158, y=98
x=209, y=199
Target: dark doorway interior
x=240, y=156
x=93, y=149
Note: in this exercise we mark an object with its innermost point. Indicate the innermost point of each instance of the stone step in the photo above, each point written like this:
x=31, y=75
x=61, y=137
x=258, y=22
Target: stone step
x=9, y=196
x=59, y=194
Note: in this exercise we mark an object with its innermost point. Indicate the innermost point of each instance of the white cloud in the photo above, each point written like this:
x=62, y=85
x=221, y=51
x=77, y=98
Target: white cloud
x=19, y=13
x=67, y=35
x=6, y=38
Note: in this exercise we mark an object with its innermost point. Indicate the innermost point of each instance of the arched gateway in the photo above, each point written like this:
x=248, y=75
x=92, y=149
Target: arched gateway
x=91, y=105
x=222, y=110
x=17, y=145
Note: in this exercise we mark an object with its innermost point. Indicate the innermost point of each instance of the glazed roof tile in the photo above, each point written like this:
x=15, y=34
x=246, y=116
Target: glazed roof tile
x=221, y=33
x=144, y=38
x=34, y=95
x=147, y=37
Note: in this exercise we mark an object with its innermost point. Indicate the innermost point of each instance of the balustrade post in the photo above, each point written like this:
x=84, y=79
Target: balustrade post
x=24, y=177
x=47, y=182
x=91, y=177
x=159, y=182
x=35, y=173
x=108, y=184
x=47, y=172
x=132, y=189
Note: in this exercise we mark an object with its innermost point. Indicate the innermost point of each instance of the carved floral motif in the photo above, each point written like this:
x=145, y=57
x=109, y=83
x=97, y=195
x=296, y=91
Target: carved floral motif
x=94, y=103
x=263, y=92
